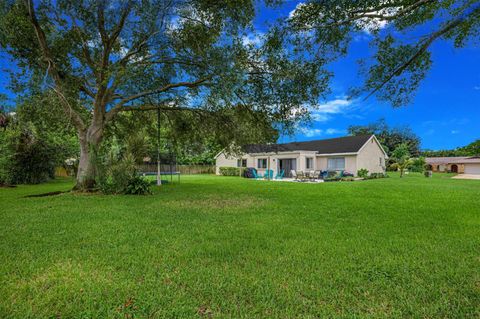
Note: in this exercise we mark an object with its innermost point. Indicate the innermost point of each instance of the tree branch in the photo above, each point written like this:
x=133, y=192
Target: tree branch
x=118, y=107
x=426, y=44
x=52, y=68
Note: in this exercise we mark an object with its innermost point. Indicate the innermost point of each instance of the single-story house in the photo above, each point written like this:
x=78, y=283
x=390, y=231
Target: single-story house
x=459, y=164
x=350, y=153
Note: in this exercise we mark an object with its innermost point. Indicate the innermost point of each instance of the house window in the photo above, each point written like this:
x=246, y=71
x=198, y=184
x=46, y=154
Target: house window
x=242, y=162
x=336, y=164
x=262, y=163
x=381, y=162
x=309, y=163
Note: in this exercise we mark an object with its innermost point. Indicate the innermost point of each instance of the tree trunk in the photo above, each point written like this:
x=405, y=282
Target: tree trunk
x=88, y=164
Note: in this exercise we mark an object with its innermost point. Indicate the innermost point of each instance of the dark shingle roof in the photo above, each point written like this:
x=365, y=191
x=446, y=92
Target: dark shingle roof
x=348, y=144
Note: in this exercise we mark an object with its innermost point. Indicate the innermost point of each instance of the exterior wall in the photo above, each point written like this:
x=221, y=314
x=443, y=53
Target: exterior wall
x=223, y=160
x=252, y=161
x=350, y=162
x=441, y=168
x=369, y=157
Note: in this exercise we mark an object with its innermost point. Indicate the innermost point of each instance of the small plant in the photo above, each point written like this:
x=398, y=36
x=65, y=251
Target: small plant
x=376, y=175
x=229, y=171
x=348, y=179
x=138, y=186
x=363, y=173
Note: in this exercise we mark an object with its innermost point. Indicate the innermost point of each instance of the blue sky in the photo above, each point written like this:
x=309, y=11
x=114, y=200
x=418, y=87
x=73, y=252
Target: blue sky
x=445, y=112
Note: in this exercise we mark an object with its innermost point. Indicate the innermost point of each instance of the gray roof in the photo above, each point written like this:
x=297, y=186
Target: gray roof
x=445, y=160
x=348, y=144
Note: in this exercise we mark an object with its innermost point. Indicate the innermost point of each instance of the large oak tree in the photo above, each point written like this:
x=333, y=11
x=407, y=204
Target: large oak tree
x=101, y=58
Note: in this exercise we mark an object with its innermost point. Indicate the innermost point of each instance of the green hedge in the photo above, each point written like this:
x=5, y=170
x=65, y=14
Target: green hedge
x=229, y=171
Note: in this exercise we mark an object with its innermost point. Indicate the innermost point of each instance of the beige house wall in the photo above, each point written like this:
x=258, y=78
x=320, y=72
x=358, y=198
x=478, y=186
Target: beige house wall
x=371, y=157
x=224, y=161
x=368, y=157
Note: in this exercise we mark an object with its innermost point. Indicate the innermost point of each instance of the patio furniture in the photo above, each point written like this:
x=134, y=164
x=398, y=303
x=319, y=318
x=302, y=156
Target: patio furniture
x=318, y=174
x=294, y=174
x=280, y=174
x=301, y=176
x=311, y=175
x=256, y=175
x=268, y=174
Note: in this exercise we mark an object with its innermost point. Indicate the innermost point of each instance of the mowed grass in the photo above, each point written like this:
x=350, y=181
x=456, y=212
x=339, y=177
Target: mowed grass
x=225, y=247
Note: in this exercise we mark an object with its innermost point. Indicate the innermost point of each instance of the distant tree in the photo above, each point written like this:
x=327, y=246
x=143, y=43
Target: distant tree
x=418, y=164
x=401, y=58
x=389, y=137
x=401, y=156
x=472, y=149
x=184, y=57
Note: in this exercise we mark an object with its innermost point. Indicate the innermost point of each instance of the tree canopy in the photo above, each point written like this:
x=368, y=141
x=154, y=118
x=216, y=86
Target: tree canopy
x=389, y=137
x=101, y=58
x=472, y=149
x=401, y=54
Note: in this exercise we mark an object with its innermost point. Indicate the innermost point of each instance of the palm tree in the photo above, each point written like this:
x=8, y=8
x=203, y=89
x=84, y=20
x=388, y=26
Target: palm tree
x=401, y=155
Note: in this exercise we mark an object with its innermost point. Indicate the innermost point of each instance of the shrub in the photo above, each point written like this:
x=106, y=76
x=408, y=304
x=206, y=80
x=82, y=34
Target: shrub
x=363, y=173
x=114, y=178
x=348, y=179
x=229, y=171
x=332, y=176
x=376, y=175
x=138, y=186
x=417, y=165
x=25, y=157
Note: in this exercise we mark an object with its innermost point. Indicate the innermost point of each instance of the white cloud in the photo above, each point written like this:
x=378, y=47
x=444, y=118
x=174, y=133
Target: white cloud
x=334, y=131
x=255, y=39
x=476, y=87
x=323, y=112
x=313, y=132
x=454, y=131
x=368, y=24
x=291, y=14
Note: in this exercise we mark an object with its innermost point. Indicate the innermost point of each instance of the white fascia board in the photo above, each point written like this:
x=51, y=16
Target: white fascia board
x=337, y=154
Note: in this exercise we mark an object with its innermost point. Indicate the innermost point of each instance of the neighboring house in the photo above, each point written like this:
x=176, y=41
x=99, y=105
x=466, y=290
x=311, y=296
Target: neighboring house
x=467, y=165
x=349, y=153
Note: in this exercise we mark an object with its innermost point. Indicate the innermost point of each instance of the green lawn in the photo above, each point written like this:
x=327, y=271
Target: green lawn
x=229, y=247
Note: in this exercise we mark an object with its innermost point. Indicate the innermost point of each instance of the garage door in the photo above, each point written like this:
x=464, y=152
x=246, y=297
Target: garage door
x=472, y=168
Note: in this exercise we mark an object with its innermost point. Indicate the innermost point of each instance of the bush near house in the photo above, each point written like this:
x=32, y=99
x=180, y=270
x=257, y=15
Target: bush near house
x=230, y=171
x=363, y=172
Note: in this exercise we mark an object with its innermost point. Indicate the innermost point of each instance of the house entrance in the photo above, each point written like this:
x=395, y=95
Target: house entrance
x=287, y=164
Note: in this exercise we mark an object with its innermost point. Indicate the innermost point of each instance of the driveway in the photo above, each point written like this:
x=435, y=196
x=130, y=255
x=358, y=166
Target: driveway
x=466, y=176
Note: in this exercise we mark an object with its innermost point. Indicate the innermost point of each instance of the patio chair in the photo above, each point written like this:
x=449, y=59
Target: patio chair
x=280, y=174
x=317, y=174
x=268, y=174
x=294, y=174
x=310, y=175
x=256, y=175
x=301, y=176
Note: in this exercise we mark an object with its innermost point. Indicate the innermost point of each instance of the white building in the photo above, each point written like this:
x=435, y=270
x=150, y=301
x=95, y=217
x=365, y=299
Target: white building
x=349, y=154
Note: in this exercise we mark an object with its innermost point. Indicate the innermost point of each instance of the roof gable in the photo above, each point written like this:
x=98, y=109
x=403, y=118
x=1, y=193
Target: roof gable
x=348, y=144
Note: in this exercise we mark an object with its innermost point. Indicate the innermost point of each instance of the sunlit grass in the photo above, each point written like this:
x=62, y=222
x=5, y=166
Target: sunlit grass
x=229, y=247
